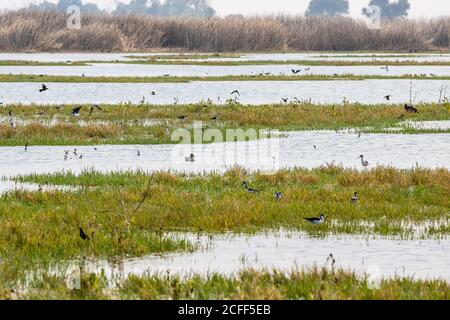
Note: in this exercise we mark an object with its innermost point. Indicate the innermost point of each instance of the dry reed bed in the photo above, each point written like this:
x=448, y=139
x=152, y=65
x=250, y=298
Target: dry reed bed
x=46, y=31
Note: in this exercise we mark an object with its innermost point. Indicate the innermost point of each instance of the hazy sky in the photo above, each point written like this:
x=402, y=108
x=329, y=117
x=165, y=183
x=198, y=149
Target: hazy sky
x=419, y=8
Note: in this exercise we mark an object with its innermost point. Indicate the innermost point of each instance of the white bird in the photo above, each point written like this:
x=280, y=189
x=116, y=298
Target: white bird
x=364, y=163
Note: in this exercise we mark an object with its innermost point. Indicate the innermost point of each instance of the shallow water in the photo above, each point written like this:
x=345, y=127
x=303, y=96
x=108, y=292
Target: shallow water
x=72, y=57
x=380, y=257
x=297, y=150
x=136, y=70
x=252, y=92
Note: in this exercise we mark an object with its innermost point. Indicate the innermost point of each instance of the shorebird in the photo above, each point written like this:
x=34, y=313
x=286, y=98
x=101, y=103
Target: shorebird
x=250, y=190
x=76, y=111
x=388, y=97
x=355, y=198
x=153, y=93
x=410, y=108
x=364, y=163
x=278, y=195
x=83, y=234
x=385, y=68
x=315, y=220
x=26, y=146
x=296, y=71
x=43, y=88
x=191, y=158
x=94, y=106
x=235, y=92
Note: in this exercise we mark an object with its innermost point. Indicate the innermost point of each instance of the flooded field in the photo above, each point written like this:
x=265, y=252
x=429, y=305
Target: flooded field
x=251, y=92
x=302, y=149
x=227, y=254
x=142, y=70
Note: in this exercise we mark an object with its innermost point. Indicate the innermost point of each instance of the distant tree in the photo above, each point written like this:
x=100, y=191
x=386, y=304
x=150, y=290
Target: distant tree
x=62, y=6
x=389, y=10
x=327, y=7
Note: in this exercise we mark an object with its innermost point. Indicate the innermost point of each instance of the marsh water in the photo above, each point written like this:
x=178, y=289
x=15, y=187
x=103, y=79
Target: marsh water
x=297, y=149
x=251, y=92
x=378, y=257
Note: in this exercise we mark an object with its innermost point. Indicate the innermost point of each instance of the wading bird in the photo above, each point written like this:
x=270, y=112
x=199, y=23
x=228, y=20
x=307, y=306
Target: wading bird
x=250, y=190
x=26, y=146
x=138, y=153
x=83, y=234
x=43, y=88
x=364, y=163
x=410, y=108
x=355, y=198
x=315, y=220
x=76, y=111
x=191, y=158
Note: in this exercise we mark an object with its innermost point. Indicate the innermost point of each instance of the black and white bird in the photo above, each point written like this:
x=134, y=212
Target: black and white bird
x=191, y=158
x=278, y=195
x=43, y=88
x=364, y=163
x=76, y=111
x=388, y=97
x=250, y=190
x=315, y=220
x=354, y=198
x=26, y=146
x=285, y=100
x=235, y=92
x=410, y=108
x=294, y=71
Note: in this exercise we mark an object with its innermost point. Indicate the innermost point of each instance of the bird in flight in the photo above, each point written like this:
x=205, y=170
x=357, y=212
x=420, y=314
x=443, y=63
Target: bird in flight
x=43, y=88
x=94, y=106
x=235, y=92
x=388, y=97
x=76, y=111
x=295, y=71
x=285, y=100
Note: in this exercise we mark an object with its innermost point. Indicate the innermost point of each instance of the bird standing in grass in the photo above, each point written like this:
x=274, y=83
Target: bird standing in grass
x=278, y=195
x=315, y=220
x=83, y=234
x=43, y=88
x=364, y=163
x=355, y=198
x=250, y=190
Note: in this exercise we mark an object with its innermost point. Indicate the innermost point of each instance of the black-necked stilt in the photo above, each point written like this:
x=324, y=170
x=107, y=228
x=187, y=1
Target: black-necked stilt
x=83, y=234
x=43, y=88
x=251, y=190
x=388, y=97
x=410, y=108
x=75, y=152
x=278, y=195
x=138, y=153
x=191, y=158
x=355, y=198
x=296, y=71
x=364, y=163
x=66, y=154
x=76, y=111
x=235, y=92
x=315, y=220
x=385, y=68
x=26, y=146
